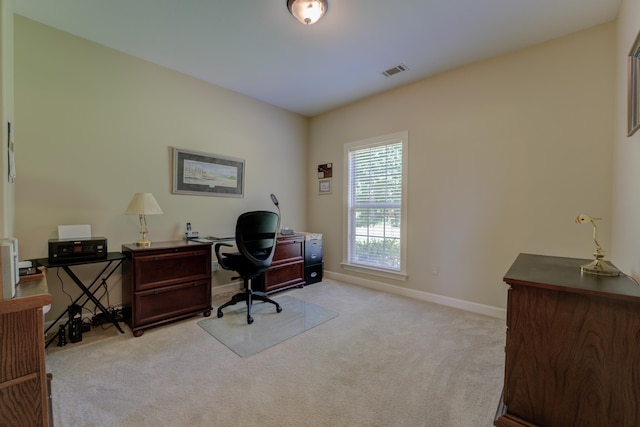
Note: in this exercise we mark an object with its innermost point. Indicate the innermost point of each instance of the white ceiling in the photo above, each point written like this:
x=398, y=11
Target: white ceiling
x=257, y=48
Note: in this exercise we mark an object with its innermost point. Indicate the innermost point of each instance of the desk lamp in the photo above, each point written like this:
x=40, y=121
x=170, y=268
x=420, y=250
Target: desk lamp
x=282, y=230
x=274, y=199
x=143, y=204
x=597, y=266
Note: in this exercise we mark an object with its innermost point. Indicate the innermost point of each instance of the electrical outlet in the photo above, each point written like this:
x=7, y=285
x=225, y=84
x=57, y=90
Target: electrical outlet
x=215, y=266
x=435, y=270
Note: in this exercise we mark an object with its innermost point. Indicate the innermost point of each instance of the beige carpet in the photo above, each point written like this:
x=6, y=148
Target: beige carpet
x=384, y=361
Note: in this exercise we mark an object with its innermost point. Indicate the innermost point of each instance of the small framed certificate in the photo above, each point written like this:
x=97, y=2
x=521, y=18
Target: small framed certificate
x=324, y=186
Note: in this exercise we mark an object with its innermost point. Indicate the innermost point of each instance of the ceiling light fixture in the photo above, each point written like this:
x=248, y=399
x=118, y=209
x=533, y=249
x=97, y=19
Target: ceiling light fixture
x=307, y=11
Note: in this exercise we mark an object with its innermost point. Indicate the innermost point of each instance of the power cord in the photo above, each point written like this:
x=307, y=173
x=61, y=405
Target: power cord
x=632, y=278
x=62, y=286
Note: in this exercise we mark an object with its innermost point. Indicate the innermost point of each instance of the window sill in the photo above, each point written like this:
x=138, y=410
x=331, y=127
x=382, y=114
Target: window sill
x=376, y=271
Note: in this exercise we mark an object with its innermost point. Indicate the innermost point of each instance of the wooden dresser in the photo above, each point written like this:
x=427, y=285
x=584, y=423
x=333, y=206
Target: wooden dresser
x=572, y=347
x=165, y=282
x=287, y=267
x=24, y=395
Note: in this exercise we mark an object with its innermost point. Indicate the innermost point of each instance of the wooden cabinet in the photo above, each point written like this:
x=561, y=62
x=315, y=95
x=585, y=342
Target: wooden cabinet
x=287, y=267
x=165, y=282
x=572, y=347
x=23, y=378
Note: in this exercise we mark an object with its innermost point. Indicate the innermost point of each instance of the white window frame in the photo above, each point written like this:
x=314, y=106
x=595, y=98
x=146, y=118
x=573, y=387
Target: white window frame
x=347, y=233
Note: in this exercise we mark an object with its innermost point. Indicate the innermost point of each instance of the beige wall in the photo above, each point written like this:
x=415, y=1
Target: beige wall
x=7, y=190
x=95, y=126
x=626, y=152
x=502, y=155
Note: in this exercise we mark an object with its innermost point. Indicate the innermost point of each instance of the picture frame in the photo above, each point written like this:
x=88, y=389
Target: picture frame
x=205, y=174
x=325, y=170
x=633, y=88
x=324, y=186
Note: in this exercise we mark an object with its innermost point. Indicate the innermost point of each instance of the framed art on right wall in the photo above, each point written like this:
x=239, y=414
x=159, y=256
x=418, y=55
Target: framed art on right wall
x=633, y=70
x=324, y=186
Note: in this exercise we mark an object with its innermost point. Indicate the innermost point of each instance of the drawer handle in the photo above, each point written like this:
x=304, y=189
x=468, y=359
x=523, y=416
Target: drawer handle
x=156, y=292
x=155, y=258
x=314, y=256
x=314, y=274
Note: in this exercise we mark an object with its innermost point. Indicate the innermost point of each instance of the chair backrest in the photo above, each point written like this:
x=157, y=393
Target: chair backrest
x=256, y=234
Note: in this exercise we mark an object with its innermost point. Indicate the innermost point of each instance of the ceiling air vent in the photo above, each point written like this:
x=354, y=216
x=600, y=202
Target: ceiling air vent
x=395, y=70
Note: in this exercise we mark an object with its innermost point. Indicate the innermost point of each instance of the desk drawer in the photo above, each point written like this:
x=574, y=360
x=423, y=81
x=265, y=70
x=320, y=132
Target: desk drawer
x=164, y=269
x=170, y=301
x=288, y=250
x=281, y=276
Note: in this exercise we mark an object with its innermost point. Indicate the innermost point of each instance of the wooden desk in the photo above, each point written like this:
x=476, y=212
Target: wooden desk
x=572, y=348
x=166, y=282
x=23, y=379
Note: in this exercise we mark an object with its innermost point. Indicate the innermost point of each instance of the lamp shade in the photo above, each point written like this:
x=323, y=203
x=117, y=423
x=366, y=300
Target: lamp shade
x=307, y=11
x=143, y=204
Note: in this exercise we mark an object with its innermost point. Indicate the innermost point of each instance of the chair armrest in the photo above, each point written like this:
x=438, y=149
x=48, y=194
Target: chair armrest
x=219, y=255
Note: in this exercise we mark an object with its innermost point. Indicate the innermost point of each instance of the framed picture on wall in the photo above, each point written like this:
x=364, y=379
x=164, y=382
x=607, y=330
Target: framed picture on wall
x=633, y=86
x=207, y=174
x=324, y=186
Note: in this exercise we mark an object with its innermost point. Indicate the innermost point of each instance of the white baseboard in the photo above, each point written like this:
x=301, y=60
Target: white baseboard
x=48, y=323
x=226, y=288
x=473, y=307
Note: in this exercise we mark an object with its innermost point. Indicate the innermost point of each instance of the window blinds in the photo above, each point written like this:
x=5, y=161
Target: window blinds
x=375, y=202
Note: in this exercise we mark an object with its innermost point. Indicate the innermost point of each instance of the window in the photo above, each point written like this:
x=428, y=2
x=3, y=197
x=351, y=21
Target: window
x=376, y=171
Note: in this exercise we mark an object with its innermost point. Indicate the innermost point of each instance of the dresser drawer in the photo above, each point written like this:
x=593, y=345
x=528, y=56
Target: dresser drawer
x=155, y=270
x=172, y=301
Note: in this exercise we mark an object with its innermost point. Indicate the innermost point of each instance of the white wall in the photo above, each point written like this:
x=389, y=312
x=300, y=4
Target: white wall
x=626, y=152
x=502, y=155
x=94, y=126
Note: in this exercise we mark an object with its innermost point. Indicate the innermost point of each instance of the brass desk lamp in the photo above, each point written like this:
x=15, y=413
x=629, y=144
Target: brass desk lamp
x=597, y=266
x=143, y=204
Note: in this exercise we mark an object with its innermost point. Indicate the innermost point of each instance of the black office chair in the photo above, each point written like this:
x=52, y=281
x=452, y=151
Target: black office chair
x=256, y=240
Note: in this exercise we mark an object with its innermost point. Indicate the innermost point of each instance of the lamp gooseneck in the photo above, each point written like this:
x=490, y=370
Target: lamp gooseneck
x=274, y=199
